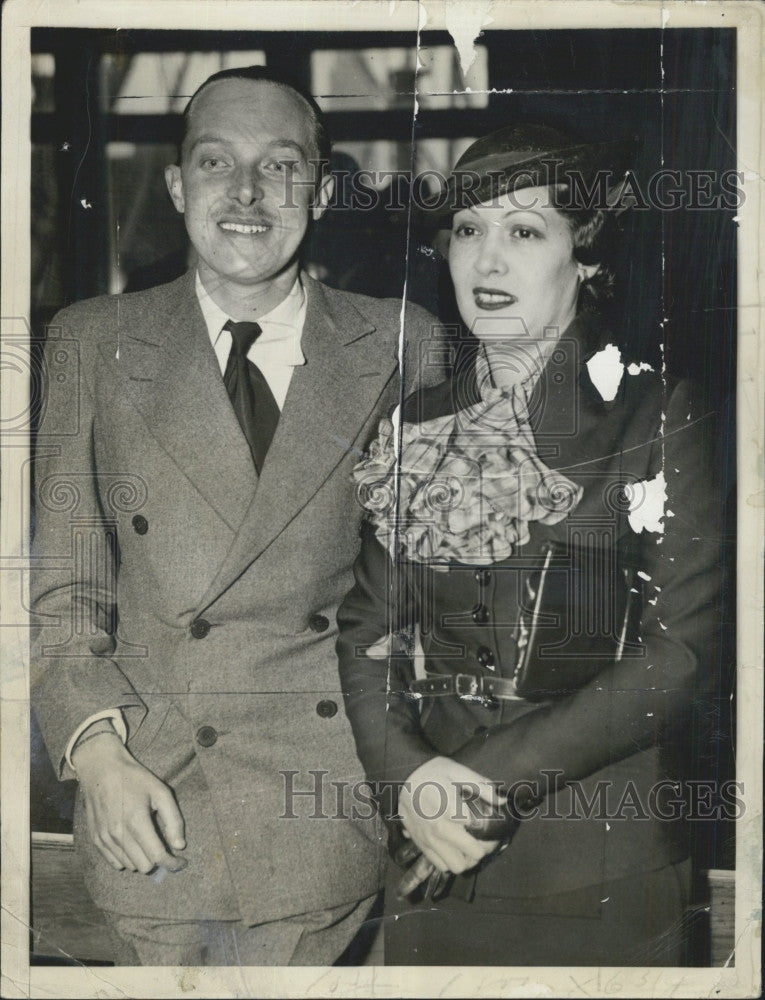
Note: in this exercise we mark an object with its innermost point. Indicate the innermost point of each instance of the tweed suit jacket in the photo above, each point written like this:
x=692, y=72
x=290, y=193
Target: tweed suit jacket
x=172, y=583
x=628, y=732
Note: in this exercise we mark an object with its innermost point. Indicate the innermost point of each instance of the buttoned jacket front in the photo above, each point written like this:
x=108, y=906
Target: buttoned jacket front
x=627, y=731
x=172, y=583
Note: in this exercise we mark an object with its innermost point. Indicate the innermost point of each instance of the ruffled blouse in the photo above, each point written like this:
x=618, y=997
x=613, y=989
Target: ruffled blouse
x=462, y=487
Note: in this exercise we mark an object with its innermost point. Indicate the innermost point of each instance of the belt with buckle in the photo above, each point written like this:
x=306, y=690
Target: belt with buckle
x=465, y=686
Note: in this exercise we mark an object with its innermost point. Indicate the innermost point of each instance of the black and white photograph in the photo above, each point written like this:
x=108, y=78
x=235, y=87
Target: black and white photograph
x=382, y=525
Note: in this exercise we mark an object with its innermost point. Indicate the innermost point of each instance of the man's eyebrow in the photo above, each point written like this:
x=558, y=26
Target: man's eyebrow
x=203, y=140
x=288, y=144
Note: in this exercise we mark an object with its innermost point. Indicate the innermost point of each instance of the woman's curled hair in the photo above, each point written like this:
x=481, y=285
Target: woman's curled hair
x=592, y=232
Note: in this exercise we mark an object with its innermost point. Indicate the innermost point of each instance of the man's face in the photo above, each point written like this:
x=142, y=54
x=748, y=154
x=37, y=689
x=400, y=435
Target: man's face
x=245, y=184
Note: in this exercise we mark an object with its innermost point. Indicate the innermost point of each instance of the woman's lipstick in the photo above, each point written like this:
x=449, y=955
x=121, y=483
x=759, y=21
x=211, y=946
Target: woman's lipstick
x=493, y=298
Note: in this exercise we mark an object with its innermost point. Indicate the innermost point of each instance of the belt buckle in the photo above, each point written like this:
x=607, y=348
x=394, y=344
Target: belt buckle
x=468, y=685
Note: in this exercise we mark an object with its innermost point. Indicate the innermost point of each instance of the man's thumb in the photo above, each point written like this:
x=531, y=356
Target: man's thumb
x=171, y=822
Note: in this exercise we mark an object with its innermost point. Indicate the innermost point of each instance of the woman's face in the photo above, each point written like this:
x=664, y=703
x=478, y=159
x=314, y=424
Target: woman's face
x=512, y=264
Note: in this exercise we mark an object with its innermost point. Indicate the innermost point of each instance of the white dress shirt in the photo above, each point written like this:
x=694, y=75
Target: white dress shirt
x=276, y=352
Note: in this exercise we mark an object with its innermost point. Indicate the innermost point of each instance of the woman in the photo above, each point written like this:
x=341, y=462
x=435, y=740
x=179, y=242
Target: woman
x=544, y=453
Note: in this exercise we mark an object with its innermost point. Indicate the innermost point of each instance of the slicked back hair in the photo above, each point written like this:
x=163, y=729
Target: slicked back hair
x=264, y=74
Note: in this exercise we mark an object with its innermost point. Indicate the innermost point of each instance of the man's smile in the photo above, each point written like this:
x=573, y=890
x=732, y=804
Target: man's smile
x=245, y=228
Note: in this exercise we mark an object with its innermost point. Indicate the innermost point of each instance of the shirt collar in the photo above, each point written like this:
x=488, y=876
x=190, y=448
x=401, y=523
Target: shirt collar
x=282, y=327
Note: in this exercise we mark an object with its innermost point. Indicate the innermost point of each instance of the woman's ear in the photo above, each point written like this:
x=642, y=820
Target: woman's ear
x=587, y=272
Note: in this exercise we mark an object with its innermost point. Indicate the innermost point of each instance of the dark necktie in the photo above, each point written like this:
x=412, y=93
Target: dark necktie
x=249, y=392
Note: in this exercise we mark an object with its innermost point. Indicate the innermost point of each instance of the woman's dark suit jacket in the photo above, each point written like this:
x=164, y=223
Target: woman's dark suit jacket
x=622, y=734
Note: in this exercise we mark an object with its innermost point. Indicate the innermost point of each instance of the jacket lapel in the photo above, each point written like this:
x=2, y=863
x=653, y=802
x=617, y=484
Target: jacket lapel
x=329, y=399
x=168, y=367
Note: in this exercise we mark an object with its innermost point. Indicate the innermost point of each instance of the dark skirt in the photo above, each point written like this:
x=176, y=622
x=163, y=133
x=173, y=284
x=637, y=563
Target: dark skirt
x=644, y=919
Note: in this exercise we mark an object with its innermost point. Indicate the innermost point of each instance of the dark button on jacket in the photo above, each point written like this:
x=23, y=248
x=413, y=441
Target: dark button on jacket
x=318, y=623
x=485, y=656
x=326, y=709
x=140, y=524
x=480, y=614
x=207, y=736
x=483, y=576
x=200, y=628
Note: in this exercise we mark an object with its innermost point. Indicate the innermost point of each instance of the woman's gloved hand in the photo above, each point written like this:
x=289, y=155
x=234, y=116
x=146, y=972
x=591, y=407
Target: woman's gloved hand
x=437, y=805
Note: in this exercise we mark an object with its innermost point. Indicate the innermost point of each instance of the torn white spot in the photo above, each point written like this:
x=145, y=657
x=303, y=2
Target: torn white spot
x=606, y=899
x=395, y=419
x=636, y=369
x=606, y=370
x=663, y=626
x=66, y=147
x=670, y=513
x=653, y=600
x=649, y=715
x=608, y=826
x=85, y=203
x=464, y=22
x=647, y=505
x=643, y=575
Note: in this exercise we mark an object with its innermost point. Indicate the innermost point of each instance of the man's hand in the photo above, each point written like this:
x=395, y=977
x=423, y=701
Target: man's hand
x=435, y=815
x=121, y=797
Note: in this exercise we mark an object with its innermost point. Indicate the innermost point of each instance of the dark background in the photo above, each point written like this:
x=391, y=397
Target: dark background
x=673, y=89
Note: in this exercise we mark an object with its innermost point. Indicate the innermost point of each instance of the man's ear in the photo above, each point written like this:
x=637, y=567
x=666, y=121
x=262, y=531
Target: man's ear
x=323, y=197
x=175, y=185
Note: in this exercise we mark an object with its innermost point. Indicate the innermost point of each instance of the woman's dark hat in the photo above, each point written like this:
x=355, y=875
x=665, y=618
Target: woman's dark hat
x=528, y=155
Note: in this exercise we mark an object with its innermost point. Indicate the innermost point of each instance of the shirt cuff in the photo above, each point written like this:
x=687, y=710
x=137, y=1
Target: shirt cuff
x=117, y=719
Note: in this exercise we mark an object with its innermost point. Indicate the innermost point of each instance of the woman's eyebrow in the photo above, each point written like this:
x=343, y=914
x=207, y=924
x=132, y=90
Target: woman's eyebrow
x=475, y=210
x=524, y=211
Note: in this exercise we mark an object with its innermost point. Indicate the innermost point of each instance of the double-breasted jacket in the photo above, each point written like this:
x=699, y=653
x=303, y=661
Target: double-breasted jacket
x=172, y=583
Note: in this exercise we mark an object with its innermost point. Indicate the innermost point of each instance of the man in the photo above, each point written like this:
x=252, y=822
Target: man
x=195, y=533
